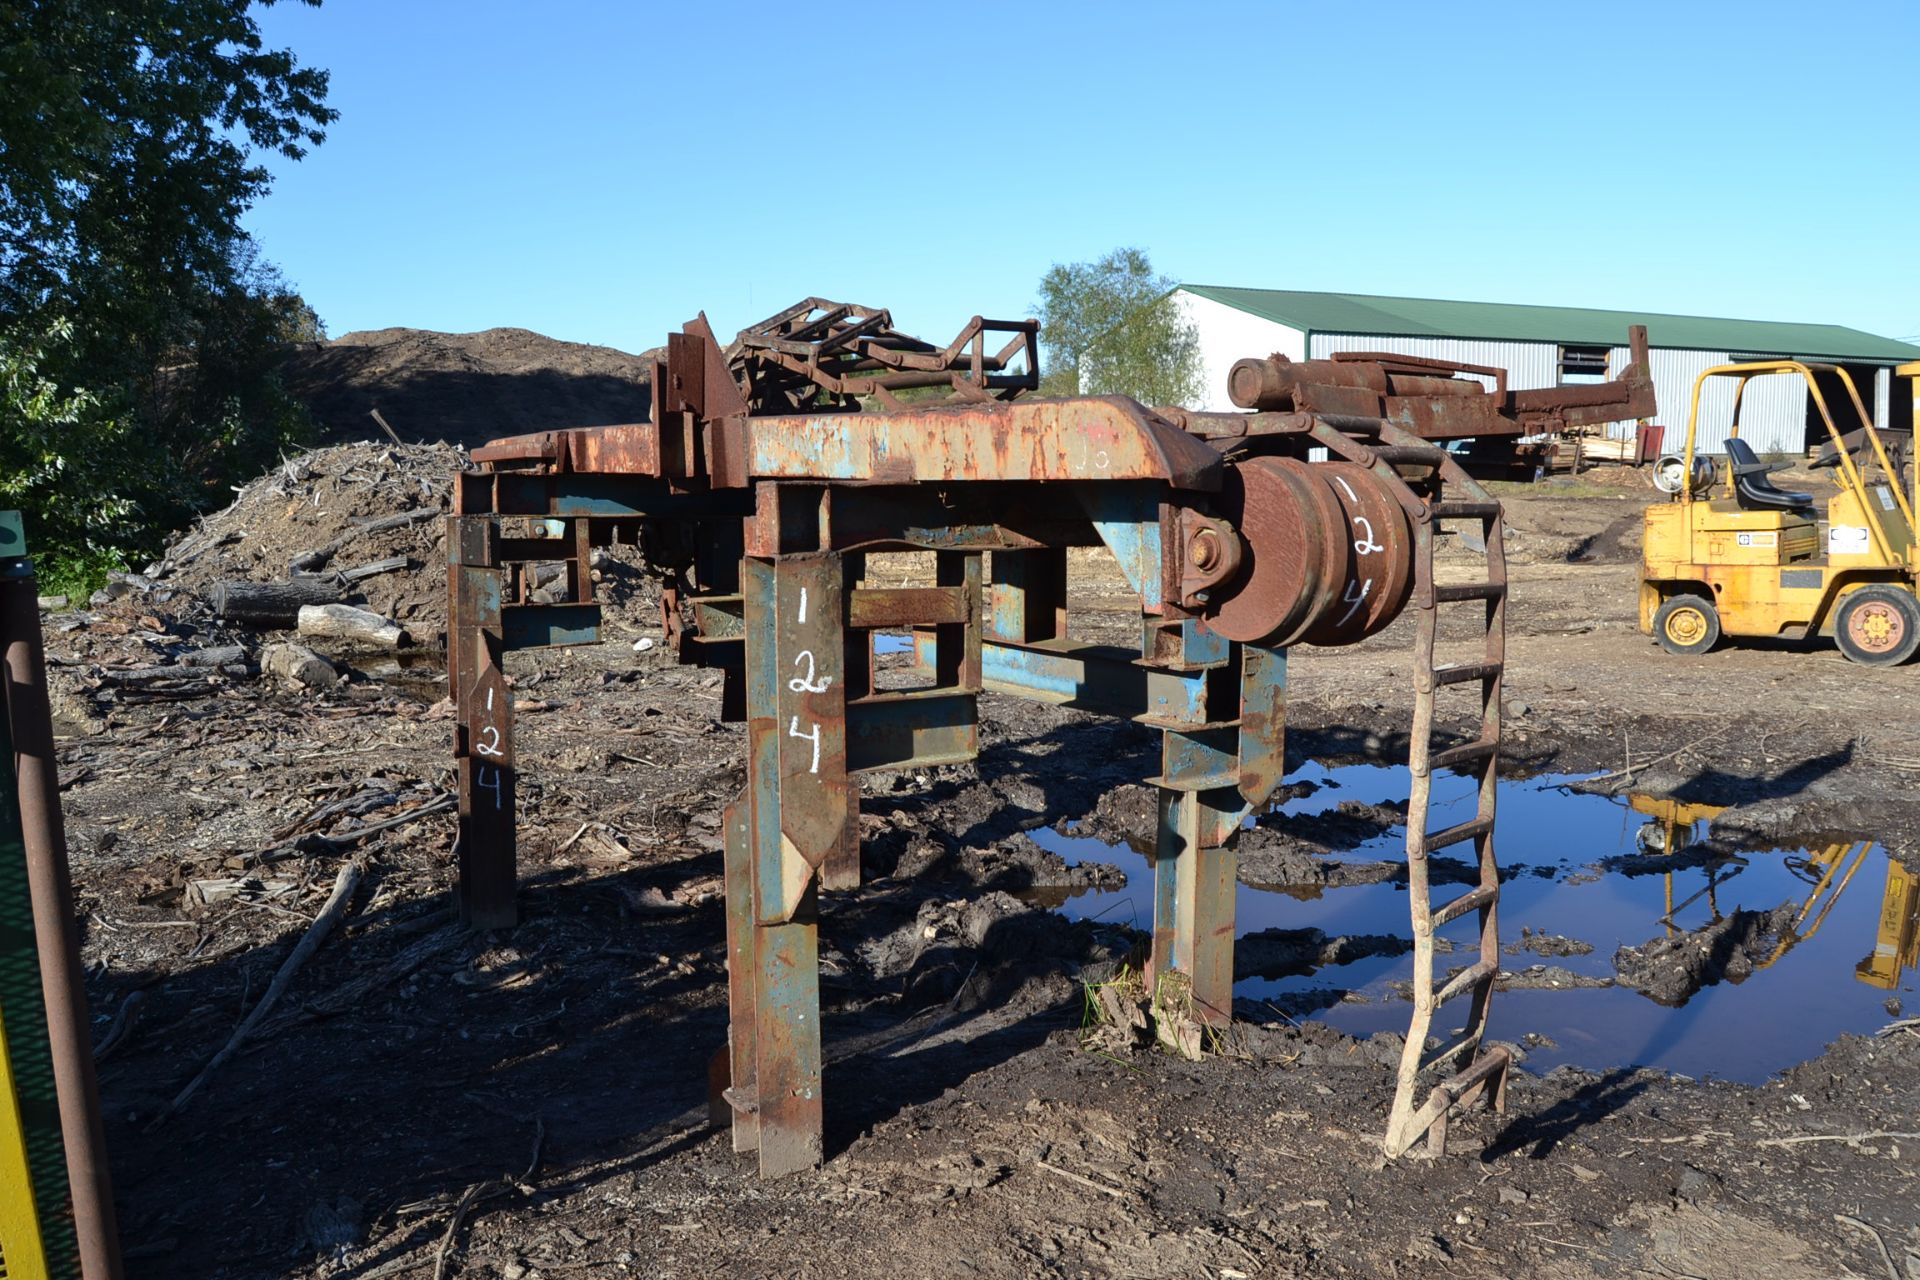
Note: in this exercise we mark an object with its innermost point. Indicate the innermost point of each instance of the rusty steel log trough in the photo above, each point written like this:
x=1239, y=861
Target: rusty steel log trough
x=773, y=466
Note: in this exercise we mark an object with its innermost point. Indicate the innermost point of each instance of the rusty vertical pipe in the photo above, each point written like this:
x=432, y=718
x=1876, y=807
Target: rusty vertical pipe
x=51, y=886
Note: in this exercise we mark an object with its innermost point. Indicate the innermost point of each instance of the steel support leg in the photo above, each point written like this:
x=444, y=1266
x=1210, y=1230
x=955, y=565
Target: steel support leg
x=798, y=817
x=1210, y=780
x=483, y=730
x=739, y=1092
x=1194, y=879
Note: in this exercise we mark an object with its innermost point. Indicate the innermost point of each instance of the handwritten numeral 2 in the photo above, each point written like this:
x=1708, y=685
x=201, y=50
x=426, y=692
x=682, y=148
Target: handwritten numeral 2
x=808, y=683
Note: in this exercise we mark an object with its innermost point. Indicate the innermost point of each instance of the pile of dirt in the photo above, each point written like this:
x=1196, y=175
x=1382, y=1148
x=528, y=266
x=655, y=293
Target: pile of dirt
x=465, y=388
x=348, y=498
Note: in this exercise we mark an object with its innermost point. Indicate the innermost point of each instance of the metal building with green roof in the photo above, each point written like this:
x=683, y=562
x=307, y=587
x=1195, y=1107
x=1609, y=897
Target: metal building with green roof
x=1548, y=346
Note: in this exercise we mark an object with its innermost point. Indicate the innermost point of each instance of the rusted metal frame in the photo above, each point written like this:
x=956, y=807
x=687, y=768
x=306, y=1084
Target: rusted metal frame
x=1220, y=428
x=956, y=656
x=1200, y=810
x=485, y=762
x=779, y=319
x=27, y=747
x=1027, y=603
x=738, y=1094
x=1142, y=529
x=1419, y=885
x=1486, y=1069
x=483, y=724
x=1107, y=680
x=1194, y=886
x=1393, y=362
x=1342, y=441
x=1449, y=417
x=1097, y=439
x=1263, y=723
x=878, y=322
x=488, y=617
x=800, y=807
x=612, y=496
x=838, y=354
x=1211, y=778
x=1180, y=643
x=920, y=728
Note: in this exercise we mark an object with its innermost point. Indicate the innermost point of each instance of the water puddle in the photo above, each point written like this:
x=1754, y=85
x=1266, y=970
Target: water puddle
x=1823, y=936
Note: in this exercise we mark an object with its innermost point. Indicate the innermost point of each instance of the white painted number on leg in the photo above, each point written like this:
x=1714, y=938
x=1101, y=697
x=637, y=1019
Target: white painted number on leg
x=808, y=683
x=490, y=741
x=793, y=731
x=487, y=778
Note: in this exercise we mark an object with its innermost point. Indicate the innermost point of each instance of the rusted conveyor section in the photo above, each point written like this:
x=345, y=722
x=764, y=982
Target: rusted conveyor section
x=760, y=487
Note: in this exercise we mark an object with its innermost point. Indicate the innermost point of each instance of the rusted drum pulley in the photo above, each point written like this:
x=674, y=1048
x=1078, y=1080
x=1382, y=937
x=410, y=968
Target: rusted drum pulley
x=1326, y=555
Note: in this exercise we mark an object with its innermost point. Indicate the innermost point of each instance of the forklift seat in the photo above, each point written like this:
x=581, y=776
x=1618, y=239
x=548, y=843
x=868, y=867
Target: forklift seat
x=1753, y=490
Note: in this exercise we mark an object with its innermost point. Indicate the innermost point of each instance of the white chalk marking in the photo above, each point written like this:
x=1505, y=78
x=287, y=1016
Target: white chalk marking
x=793, y=731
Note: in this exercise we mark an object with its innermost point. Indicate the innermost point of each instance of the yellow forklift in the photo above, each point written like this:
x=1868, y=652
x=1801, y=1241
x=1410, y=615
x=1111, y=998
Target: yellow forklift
x=1730, y=553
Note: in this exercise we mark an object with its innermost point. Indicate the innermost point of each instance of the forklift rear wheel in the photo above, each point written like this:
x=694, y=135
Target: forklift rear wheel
x=1878, y=626
x=1687, y=624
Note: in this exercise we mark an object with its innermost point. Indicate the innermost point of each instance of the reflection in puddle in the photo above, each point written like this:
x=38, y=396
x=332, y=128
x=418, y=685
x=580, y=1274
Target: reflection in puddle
x=1611, y=872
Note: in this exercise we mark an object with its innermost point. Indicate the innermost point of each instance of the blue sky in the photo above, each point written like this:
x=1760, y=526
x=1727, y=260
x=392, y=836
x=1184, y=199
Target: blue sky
x=600, y=171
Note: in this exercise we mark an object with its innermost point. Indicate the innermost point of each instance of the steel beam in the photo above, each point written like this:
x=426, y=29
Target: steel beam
x=483, y=729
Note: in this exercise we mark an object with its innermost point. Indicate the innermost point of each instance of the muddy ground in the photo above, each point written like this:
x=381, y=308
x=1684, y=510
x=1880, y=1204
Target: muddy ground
x=425, y=1101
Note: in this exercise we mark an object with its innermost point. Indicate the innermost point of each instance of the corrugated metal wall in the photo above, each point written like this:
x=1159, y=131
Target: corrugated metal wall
x=1773, y=418
x=1773, y=410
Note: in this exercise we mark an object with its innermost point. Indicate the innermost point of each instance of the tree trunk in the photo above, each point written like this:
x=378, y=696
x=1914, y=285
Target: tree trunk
x=299, y=665
x=272, y=604
x=350, y=626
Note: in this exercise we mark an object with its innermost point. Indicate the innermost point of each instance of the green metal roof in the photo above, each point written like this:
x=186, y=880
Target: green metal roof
x=1582, y=326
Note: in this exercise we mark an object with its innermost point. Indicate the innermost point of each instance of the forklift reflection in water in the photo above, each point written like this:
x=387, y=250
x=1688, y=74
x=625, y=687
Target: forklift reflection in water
x=1675, y=826
x=1730, y=553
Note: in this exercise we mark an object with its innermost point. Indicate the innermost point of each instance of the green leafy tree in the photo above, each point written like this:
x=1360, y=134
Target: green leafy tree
x=140, y=332
x=1111, y=326
x=58, y=441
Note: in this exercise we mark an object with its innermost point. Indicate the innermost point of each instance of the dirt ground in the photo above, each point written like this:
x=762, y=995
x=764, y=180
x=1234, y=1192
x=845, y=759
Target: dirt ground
x=427, y=1101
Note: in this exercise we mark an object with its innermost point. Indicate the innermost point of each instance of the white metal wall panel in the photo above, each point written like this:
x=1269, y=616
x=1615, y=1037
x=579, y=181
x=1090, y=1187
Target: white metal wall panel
x=1773, y=412
x=1228, y=334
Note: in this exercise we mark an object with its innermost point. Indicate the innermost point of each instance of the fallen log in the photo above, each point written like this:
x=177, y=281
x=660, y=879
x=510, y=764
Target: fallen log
x=309, y=561
x=298, y=664
x=375, y=568
x=272, y=604
x=217, y=656
x=350, y=626
x=171, y=671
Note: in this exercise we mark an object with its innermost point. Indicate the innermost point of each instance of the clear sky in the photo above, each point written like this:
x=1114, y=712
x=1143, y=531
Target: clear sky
x=600, y=171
